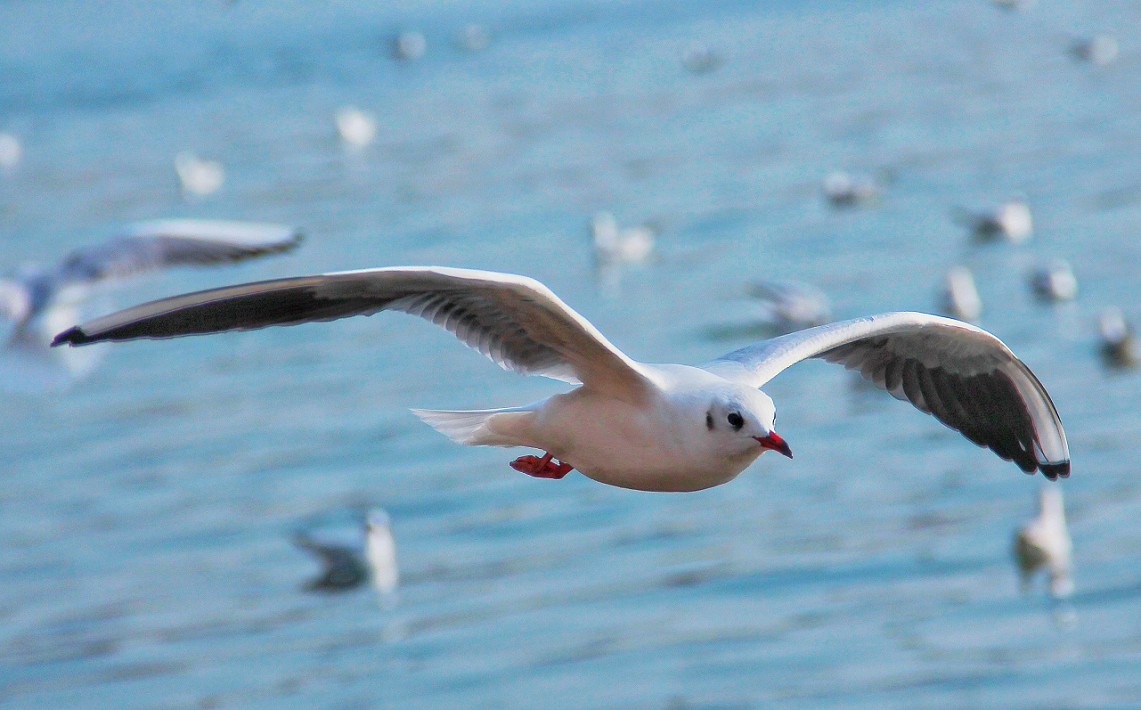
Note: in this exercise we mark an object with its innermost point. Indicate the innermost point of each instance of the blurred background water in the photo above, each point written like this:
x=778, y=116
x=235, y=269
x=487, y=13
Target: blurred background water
x=146, y=512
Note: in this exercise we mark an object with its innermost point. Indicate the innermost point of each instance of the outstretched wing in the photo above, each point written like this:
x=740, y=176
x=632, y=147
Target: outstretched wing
x=964, y=376
x=515, y=321
x=146, y=246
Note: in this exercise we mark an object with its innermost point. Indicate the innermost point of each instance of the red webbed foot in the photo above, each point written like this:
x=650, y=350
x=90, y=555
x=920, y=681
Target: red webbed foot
x=543, y=467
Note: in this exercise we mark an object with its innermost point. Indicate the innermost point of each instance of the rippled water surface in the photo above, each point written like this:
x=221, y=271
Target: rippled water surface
x=146, y=511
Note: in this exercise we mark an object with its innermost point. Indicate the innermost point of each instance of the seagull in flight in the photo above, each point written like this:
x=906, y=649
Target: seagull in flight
x=663, y=427
x=37, y=295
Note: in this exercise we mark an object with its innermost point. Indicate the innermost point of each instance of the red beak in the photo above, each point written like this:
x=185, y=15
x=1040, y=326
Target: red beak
x=774, y=442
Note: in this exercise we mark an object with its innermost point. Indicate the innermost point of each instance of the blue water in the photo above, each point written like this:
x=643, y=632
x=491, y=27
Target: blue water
x=146, y=511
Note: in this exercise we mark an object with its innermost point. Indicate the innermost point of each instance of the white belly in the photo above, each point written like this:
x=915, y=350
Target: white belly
x=641, y=448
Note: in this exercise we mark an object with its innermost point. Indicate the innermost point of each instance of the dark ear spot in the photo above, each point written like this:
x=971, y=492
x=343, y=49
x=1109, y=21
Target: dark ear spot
x=709, y=421
x=735, y=420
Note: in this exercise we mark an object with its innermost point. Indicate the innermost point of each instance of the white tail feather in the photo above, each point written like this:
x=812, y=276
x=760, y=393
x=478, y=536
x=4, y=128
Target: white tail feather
x=483, y=427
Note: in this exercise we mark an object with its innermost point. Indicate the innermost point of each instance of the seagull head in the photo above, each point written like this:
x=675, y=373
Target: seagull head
x=745, y=417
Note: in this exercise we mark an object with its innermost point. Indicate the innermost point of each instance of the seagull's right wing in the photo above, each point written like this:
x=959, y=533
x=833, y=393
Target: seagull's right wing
x=964, y=376
x=146, y=246
x=515, y=321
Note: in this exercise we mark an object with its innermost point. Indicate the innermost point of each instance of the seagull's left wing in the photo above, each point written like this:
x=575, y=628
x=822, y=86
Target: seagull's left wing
x=964, y=376
x=146, y=246
x=515, y=321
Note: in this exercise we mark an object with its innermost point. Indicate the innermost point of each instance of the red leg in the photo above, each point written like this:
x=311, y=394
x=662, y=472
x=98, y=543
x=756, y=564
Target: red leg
x=541, y=467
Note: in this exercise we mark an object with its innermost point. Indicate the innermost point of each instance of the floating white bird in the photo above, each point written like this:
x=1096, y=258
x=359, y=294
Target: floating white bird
x=620, y=245
x=409, y=46
x=1011, y=221
x=1044, y=542
x=357, y=128
x=1055, y=281
x=348, y=564
x=843, y=189
x=632, y=424
x=38, y=293
x=10, y=151
x=1118, y=345
x=1099, y=49
x=960, y=295
x=789, y=306
x=198, y=176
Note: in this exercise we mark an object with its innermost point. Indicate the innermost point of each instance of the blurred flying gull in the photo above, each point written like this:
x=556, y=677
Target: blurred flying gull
x=1044, y=542
x=787, y=305
x=348, y=564
x=1010, y=220
x=198, y=176
x=50, y=293
x=960, y=295
x=632, y=424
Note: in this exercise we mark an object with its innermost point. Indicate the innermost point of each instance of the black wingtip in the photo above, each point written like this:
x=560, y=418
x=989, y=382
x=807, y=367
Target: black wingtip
x=71, y=336
x=1054, y=471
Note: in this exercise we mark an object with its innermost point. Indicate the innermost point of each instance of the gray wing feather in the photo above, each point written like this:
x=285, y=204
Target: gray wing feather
x=515, y=321
x=962, y=375
x=146, y=246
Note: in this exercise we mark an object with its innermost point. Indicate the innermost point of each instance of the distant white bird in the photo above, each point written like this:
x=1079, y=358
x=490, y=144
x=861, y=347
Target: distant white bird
x=789, y=306
x=35, y=294
x=1044, y=542
x=347, y=564
x=1055, y=281
x=960, y=295
x=357, y=128
x=620, y=245
x=1011, y=221
x=473, y=37
x=409, y=46
x=11, y=151
x=701, y=59
x=632, y=424
x=1119, y=347
x=1100, y=50
x=843, y=189
x=198, y=176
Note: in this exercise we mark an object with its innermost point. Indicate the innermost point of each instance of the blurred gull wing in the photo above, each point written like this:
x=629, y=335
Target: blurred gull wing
x=147, y=246
x=967, y=378
x=515, y=321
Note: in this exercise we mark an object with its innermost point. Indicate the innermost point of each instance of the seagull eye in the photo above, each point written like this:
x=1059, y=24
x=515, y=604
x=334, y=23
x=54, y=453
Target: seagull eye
x=735, y=420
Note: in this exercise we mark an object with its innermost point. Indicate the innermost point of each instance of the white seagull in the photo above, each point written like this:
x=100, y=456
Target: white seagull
x=198, y=176
x=631, y=424
x=37, y=297
x=347, y=564
x=1010, y=220
x=356, y=128
x=1055, y=281
x=960, y=295
x=1045, y=542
